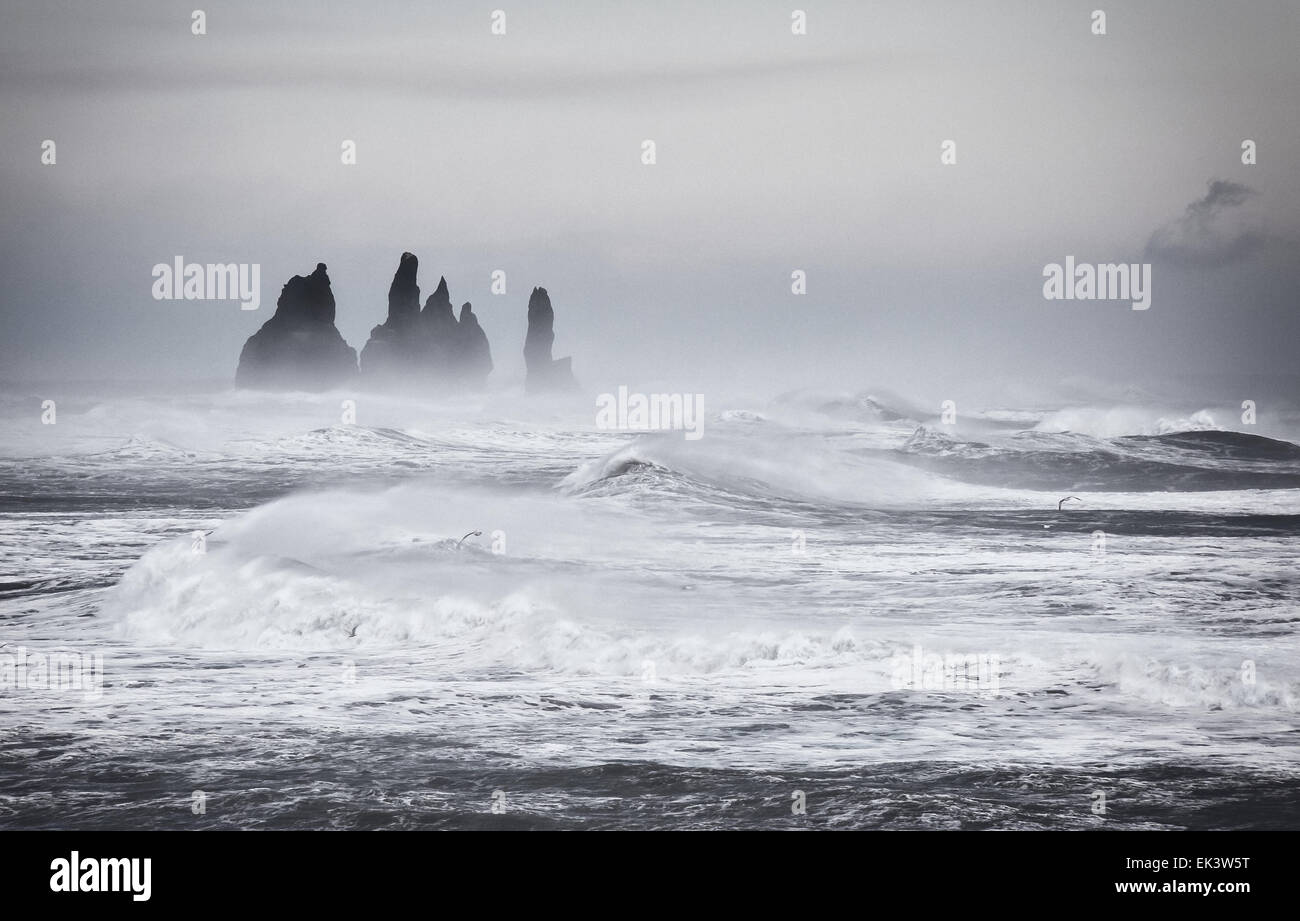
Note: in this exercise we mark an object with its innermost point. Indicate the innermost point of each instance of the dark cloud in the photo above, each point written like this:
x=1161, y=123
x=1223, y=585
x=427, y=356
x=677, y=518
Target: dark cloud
x=1213, y=231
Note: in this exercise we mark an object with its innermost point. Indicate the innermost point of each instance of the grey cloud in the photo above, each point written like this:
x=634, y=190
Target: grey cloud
x=425, y=79
x=1213, y=231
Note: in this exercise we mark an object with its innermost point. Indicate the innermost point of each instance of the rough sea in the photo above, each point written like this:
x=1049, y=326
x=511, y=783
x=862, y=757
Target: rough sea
x=830, y=611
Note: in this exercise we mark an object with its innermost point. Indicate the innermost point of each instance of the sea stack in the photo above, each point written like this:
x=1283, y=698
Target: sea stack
x=394, y=345
x=544, y=373
x=438, y=329
x=425, y=348
x=299, y=348
x=475, y=357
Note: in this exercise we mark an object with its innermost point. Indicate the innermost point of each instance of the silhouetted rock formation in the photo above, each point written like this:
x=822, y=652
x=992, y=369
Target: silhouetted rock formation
x=544, y=372
x=475, y=356
x=428, y=346
x=393, y=345
x=440, y=331
x=404, y=293
x=299, y=348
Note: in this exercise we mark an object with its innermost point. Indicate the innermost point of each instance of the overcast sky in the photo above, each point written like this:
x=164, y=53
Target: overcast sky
x=775, y=152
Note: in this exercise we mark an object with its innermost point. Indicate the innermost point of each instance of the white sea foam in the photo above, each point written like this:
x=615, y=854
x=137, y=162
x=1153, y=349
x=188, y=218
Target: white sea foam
x=656, y=599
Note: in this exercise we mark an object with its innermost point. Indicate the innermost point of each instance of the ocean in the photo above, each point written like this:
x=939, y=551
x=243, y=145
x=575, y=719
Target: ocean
x=829, y=611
